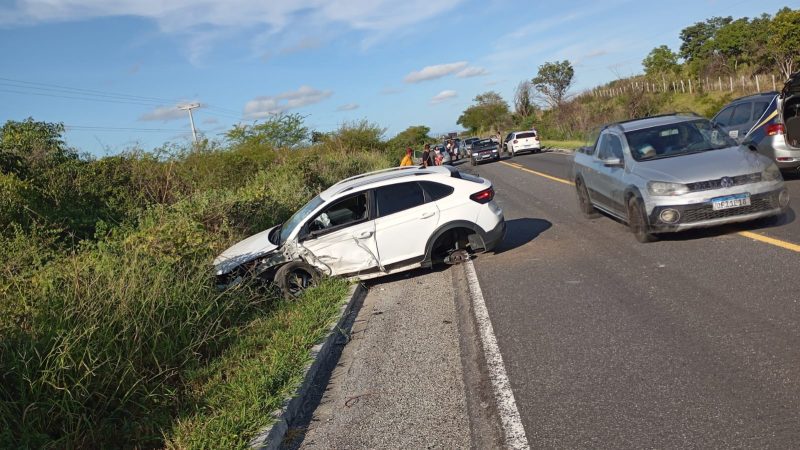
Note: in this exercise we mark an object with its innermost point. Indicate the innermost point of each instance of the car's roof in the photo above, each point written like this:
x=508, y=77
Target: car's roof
x=382, y=177
x=654, y=121
x=769, y=94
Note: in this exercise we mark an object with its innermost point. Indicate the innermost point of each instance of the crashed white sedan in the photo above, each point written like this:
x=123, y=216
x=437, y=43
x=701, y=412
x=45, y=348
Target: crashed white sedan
x=372, y=225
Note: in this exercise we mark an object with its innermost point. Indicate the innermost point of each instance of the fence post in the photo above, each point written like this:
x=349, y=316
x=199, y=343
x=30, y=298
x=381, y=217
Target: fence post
x=719, y=79
x=773, y=82
x=683, y=87
x=690, y=85
x=758, y=85
x=731, y=82
x=743, y=85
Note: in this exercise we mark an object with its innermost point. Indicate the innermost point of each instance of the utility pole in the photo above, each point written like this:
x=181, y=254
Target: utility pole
x=189, y=108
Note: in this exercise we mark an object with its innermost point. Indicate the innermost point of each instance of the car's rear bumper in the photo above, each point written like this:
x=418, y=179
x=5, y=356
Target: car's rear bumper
x=494, y=236
x=702, y=215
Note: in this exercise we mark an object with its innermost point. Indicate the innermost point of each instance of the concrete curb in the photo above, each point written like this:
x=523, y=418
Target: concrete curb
x=271, y=437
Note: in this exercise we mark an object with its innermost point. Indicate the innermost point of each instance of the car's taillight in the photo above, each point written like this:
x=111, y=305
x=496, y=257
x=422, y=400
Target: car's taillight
x=775, y=128
x=484, y=196
x=515, y=141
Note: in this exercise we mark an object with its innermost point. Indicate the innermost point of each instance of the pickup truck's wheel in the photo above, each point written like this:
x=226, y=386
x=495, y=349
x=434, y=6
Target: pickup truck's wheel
x=584, y=204
x=638, y=222
x=295, y=277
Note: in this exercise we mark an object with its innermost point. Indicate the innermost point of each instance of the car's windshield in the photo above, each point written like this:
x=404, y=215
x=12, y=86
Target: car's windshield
x=677, y=139
x=297, y=218
x=483, y=143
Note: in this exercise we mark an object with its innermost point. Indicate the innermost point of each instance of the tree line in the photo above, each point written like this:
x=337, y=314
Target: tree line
x=716, y=47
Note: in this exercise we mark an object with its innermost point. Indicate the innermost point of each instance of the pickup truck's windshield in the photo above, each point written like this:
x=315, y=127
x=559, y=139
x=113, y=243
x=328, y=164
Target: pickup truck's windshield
x=298, y=218
x=677, y=139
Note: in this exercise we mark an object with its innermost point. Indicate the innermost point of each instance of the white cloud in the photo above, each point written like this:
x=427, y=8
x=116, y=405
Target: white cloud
x=164, y=114
x=434, y=72
x=205, y=22
x=472, y=71
x=443, y=96
x=264, y=106
x=348, y=107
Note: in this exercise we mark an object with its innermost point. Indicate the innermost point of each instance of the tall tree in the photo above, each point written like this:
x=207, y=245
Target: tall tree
x=523, y=103
x=489, y=113
x=660, y=61
x=731, y=41
x=784, y=40
x=553, y=81
x=697, y=45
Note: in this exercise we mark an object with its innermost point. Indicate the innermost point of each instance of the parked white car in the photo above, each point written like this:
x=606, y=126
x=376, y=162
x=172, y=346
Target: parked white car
x=523, y=141
x=372, y=225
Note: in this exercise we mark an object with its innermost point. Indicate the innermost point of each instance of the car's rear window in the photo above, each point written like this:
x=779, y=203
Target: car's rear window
x=436, y=191
x=530, y=134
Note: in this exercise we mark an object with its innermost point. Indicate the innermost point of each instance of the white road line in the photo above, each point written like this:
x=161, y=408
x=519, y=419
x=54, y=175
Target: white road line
x=506, y=405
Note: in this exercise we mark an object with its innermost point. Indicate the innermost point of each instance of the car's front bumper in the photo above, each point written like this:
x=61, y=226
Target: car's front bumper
x=484, y=156
x=702, y=215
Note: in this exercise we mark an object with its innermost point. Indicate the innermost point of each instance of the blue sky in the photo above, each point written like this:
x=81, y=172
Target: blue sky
x=114, y=71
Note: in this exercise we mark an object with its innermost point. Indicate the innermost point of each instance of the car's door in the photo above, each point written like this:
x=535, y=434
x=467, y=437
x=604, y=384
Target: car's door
x=608, y=181
x=341, y=237
x=403, y=223
x=723, y=118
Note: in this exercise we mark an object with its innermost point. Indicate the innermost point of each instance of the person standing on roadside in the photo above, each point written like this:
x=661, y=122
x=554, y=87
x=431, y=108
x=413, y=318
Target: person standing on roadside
x=408, y=160
x=427, y=159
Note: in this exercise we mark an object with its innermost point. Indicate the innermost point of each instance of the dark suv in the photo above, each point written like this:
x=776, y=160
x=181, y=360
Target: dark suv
x=739, y=116
x=768, y=123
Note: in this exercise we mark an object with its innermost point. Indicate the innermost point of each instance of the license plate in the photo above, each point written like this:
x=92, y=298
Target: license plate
x=731, y=201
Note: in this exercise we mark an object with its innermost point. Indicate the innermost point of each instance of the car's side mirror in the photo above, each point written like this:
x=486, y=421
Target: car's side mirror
x=613, y=162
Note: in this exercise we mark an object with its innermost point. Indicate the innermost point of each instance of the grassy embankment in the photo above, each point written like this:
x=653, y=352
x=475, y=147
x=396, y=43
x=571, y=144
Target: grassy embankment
x=111, y=332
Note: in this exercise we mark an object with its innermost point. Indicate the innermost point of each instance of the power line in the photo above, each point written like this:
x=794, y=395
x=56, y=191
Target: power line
x=61, y=91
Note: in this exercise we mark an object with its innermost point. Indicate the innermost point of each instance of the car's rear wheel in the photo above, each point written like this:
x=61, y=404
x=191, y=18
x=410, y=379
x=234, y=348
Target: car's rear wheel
x=584, y=203
x=295, y=277
x=638, y=222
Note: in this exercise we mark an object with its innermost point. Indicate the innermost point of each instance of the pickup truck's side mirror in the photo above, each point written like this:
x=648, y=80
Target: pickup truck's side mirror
x=613, y=162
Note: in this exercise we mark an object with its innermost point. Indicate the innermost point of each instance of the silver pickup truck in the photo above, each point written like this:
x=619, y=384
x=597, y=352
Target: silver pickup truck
x=675, y=172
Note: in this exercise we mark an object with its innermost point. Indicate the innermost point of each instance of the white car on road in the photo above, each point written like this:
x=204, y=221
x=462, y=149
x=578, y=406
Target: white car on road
x=523, y=141
x=372, y=225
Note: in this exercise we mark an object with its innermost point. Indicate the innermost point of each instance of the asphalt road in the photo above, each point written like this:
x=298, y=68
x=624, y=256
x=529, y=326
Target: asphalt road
x=692, y=341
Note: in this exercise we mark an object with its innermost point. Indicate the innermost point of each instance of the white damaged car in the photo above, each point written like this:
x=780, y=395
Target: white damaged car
x=372, y=225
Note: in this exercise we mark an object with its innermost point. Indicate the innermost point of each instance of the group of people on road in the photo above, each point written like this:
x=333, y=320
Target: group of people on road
x=441, y=155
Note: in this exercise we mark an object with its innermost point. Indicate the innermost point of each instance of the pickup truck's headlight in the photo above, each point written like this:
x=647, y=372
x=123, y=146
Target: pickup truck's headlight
x=771, y=173
x=664, y=188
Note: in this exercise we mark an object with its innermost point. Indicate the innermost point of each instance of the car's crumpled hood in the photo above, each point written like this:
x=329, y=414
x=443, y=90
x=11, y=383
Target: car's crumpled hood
x=253, y=247
x=710, y=165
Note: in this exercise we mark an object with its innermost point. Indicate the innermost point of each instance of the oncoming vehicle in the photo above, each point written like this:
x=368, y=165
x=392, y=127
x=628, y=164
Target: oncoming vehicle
x=768, y=123
x=484, y=149
x=523, y=141
x=675, y=172
x=371, y=225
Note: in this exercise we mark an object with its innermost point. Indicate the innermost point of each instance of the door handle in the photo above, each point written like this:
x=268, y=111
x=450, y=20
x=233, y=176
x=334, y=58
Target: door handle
x=425, y=215
x=364, y=234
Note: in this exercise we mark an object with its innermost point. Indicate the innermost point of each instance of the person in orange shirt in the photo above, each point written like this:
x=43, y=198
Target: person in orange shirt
x=408, y=160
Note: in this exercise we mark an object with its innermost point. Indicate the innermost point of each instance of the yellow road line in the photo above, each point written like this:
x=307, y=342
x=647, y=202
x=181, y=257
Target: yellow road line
x=771, y=241
x=747, y=234
x=517, y=166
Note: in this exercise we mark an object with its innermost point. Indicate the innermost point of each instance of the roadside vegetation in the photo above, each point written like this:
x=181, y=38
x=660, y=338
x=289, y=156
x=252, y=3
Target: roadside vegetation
x=717, y=49
x=112, y=333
